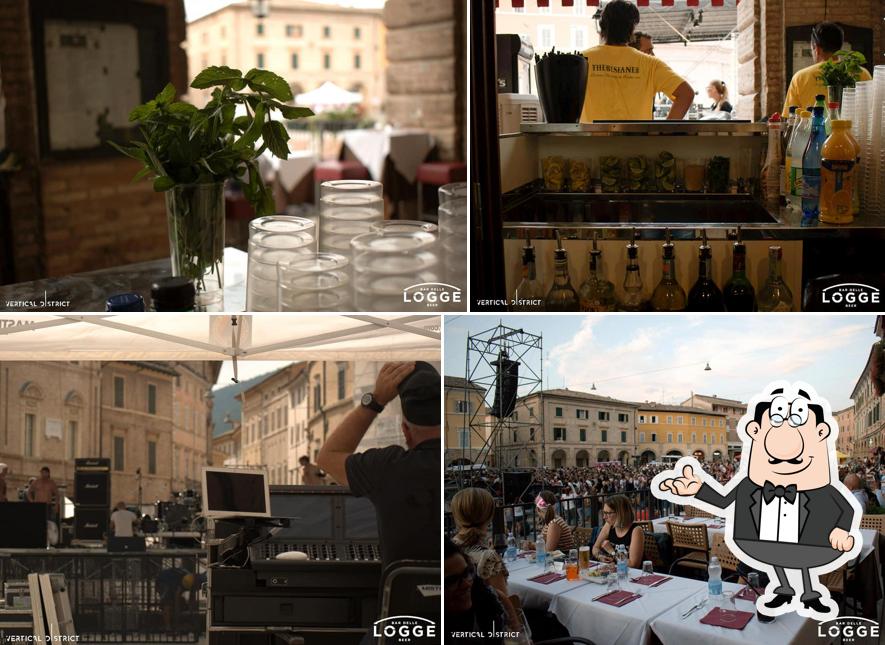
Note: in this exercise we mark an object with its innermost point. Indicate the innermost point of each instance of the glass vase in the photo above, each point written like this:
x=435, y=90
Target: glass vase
x=195, y=213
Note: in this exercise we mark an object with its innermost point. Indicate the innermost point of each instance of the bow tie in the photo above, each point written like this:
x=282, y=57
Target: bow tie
x=770, y=491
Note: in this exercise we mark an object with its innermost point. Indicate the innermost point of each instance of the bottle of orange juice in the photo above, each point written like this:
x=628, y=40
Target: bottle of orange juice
x=838, y=157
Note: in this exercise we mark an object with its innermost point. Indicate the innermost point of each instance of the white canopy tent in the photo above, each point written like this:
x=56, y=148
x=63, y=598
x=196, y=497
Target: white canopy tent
x=328, y=96
x=162, y=337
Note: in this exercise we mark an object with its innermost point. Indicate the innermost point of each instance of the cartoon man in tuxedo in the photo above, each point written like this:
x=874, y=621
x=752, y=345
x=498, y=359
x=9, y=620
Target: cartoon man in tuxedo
x=785, y=508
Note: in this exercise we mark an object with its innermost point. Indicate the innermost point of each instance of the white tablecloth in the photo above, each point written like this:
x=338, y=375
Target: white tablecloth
x=627, y=625
x=788, y=629
x=292, y=170
x=407, y=149
x=235, y=262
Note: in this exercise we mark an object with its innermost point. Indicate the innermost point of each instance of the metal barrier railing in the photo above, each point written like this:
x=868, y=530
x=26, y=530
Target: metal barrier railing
x=583, y=511
x=124, y=598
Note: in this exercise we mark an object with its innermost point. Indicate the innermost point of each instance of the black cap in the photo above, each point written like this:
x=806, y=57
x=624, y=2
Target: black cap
x=173, y=294
x=419, y=395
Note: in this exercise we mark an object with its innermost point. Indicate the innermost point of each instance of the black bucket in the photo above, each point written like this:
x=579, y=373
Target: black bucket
x=562, y=85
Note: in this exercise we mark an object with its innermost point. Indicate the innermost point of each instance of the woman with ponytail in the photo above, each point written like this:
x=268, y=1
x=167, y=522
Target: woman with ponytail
x=717, y=91
x=472, y=510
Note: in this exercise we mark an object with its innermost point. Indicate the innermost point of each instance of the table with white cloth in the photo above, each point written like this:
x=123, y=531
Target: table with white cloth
x=392, y=156
x=572, y=604
x=787, y=629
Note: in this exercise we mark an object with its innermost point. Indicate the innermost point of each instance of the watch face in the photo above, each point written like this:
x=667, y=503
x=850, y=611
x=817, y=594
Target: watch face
x=367, y=398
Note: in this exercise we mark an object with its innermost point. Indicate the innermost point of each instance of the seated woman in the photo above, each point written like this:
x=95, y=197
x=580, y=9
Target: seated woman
x=619, y=528
x=472, y=510
x=554, y=530
x=471, y=605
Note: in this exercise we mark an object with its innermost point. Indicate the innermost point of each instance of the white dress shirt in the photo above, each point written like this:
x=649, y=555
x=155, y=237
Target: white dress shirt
x=779, y=521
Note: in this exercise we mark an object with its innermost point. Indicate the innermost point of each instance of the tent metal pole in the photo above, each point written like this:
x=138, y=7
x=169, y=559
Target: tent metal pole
x=312, y=340
x=400, y=325
x=46, y=324
x=177, y=340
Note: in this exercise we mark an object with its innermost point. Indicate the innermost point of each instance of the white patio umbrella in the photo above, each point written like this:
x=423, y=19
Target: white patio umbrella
x=169, y=336
x=328, y=96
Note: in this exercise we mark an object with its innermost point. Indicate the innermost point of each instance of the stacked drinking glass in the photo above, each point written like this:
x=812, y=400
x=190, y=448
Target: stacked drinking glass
x=316, y=282
x=348, y=208
x=274, y=241
x=452, y=216
x=387, y=264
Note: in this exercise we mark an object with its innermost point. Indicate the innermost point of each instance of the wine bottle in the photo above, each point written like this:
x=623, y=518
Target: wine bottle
x=705, y=295
x=529, y=295
x=775, y=295
x=668, y=295
x=632, y=300
x=738, y=292
x=596, y=293
x=562, y=295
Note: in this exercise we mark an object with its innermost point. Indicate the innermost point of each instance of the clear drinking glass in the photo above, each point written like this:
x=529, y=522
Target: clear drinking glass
x=389, y=226
x=386, y=265
x=280, y=231
x=648, y=568
x=348, y=208
x=263, y=276
x=453, y=192
x=453, y=242
x=316, y=282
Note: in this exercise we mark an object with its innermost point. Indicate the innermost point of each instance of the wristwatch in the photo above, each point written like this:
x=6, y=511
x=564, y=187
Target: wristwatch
x=368, y=401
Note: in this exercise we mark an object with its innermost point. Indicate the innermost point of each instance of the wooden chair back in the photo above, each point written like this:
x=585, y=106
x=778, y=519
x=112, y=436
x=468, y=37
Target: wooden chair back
x=691, y=537
x=720, y=549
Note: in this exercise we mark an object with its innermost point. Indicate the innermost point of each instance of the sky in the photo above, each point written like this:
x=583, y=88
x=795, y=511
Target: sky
x=197, y=8
x=246, y=370
x=662, y=358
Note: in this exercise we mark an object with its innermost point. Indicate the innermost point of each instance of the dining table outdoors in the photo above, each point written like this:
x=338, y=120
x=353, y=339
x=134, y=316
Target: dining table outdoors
x=656, y=614
x=392, y=156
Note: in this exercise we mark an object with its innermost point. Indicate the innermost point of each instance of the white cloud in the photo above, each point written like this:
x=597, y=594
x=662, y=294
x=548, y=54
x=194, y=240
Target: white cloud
x=663, y=360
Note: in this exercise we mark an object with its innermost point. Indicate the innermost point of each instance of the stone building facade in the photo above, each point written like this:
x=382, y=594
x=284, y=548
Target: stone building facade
x=191, y=422
x=677, y=430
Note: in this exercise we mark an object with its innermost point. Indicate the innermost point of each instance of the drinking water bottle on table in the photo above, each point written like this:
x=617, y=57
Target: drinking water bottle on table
x=714, y=581
x=540, y=552
x=511, y=551
x=621, y=557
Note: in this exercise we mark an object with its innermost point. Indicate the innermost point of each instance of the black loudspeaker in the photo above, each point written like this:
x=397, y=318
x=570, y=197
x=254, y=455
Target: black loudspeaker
x=506, y=383
x=90, y=523
x=92, y=488
x=23, y=525
x=93, y=464
x=516, y=483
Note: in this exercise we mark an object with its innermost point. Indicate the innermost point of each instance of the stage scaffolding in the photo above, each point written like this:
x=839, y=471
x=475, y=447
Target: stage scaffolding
x=491, y=436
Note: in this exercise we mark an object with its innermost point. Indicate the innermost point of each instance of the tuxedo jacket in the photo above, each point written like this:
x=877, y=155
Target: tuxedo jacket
x=820, y=510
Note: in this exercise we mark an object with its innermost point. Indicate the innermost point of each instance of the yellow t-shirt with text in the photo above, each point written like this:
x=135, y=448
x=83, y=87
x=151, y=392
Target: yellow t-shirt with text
x=806, y=85
x=622, y=83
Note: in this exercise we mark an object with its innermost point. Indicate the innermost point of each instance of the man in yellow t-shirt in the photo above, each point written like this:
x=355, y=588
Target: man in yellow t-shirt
x=622, y=82
x=826, y=40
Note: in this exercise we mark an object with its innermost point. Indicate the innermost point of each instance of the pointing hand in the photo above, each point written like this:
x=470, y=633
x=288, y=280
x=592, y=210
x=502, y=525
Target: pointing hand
x=686, y=486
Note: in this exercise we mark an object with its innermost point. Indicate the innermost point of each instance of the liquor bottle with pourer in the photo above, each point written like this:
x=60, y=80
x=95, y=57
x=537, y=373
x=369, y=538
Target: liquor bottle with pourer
x=529, y=295
x=705, y=295
x=632, y=300
x=775, y=295
x=562, y=295
x=596, y=293
x=738, y=292
x=668, y=295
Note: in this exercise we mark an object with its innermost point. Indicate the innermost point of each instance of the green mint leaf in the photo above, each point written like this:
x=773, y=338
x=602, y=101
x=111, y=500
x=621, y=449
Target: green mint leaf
x=270, y=83
x=162, y=184
x=292, y=112
x=216, y=75
x=141, y=112
x=251, y=135
x=276, y=138
x=167, y=95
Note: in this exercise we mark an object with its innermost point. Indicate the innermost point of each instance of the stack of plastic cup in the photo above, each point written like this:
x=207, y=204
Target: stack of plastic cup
x=274, y=240
x=877, y=135
x=453, y=234
x=316, y=282
x=848, y=108
x=348, y=208
x=862, y=101
x=386, y=267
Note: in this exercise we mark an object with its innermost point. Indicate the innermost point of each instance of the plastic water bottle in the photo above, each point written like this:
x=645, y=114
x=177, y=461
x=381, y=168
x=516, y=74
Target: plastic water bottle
x=511, y=551
x=811, y=169
x=540, y=552
x=621, y=557
x=714, y=581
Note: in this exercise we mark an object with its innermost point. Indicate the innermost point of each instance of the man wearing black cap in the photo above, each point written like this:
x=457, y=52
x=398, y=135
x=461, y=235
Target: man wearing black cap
x=403, y=485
